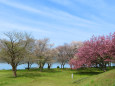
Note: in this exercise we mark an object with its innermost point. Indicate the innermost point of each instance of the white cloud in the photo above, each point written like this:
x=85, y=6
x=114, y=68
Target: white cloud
x=6, y=26
x=20, y=6
x=62, y=2
x=48, y=12
x=64, y=24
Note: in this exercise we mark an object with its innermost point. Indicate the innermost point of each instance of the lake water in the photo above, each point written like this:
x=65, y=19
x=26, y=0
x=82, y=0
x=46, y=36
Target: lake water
x=4, y=66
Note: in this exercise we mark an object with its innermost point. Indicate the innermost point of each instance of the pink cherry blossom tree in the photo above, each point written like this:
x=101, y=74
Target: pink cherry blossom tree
x=98, y=50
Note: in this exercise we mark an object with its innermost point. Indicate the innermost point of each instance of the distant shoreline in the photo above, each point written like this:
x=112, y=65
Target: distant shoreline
x=5, y=66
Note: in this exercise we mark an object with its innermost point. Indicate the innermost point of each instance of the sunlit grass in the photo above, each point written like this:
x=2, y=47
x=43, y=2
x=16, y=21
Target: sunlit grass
x=58, y=77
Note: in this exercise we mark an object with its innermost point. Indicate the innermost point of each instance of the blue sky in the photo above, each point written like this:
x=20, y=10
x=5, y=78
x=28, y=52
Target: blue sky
x=62, y=21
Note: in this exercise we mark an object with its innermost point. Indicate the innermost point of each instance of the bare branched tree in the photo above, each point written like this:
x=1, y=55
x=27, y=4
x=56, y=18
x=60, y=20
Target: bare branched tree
x=67, y=52
x=72, y=48
x=30, y=58
x=14, y=48
x=42, y=51
x=61, y=55
x=51, y=55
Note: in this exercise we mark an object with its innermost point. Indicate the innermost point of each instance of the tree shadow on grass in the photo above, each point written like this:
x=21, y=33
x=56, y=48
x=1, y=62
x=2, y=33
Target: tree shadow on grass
x=27, y=74
x=30, y=75
x=92, y=71
x=33, y=73
x=88, y=73
x=52, y=71
x=45, y=70
x=48, y=70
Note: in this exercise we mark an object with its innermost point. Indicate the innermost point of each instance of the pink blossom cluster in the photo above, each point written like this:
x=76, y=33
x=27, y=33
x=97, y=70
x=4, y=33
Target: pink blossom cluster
x=97, y=49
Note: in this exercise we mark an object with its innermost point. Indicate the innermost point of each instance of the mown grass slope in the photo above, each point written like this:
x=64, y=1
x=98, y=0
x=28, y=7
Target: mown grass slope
x=58, y=77
x=103, y=79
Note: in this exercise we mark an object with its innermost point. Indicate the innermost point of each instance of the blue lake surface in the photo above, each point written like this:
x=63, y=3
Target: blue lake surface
x=5, y=66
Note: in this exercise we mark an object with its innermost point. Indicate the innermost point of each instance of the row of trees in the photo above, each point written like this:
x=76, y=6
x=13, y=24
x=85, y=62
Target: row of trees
x=67, y=52
x=19, y=48
x=96, y=52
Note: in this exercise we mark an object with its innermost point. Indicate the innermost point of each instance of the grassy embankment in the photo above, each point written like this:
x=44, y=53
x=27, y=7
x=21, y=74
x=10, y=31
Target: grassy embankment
x=58, y=77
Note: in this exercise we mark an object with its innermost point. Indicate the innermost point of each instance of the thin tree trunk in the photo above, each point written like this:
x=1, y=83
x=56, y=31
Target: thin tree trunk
x=28, y=66
x=61, y=66
x=96, y=65
x=105, y=66
x=110, y=64
x=49, y=65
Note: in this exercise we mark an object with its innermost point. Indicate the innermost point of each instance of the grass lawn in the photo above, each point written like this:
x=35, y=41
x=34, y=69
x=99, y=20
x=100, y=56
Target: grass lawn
x=58, y=77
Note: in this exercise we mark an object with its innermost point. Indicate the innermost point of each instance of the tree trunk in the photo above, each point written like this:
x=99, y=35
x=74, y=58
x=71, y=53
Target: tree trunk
x=39, y=65
x=61, y=66
x=14, y=70
x=96, y=65
x=28, y=66
x=49, y=65
x=104, y=66
x=109, y=64
x=15, y=75
x=41, y=68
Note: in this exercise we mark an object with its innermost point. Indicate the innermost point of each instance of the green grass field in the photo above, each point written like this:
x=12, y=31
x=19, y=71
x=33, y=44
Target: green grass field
x=58, y=77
